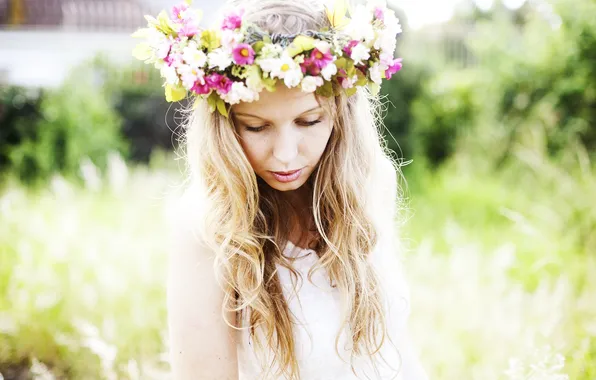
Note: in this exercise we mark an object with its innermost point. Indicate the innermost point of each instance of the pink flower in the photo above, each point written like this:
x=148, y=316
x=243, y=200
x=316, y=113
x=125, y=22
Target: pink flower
x=379, y=13
x=173, y=59
x=220, y=83
x=319, y=58
x=177, y=11
x=188, y=18
x=233, y=20
x=348, y=82
x=243, y=54
x=315, y=62
x=395, y=66
x=189, y=30
x=309, y=66
x=201, y=88
x=349, y=46
x=163, y=50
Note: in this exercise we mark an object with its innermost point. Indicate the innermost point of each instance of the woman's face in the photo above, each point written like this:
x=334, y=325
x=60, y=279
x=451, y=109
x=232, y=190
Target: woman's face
x=283, y=135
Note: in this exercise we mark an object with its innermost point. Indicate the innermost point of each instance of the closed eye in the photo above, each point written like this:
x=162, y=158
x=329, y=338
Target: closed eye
x=303, y=123
x=254, y=129
x=310, y=123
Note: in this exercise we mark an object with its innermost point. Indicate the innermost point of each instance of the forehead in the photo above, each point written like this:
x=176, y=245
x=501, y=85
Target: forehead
x=284, y=103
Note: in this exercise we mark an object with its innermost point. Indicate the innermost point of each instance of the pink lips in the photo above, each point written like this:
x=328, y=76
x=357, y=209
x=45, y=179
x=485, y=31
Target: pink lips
x=287, y=176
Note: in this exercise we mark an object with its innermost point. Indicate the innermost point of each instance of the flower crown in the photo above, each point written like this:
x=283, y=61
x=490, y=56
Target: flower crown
x=237, y=61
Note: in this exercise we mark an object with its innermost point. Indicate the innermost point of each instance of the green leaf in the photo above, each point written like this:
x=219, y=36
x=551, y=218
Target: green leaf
x=270, y=84
x=212, y=101
x=351, y=91
x=151, y=20
x=257, y=46
x=174, y=94
x=166, y=25
x=210, y=39
x=142, y=52
x=362, y=80
x=221, y=107
x=374, y=88
x=341, y=63
x=336, y=13
x=197, y=102
x=300, y=44
x=325, y=90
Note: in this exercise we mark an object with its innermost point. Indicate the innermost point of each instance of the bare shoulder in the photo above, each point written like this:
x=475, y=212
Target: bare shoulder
x=202, y=345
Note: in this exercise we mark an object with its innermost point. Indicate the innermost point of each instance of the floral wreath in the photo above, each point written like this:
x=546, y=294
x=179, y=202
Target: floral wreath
x=237, y=61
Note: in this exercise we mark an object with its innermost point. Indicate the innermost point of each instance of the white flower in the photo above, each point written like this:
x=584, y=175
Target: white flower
x=322, y=46
x=310, y=83
x=267, y=64
x=375, y=72
x=359, y=53
x=159, y=42
x=292, y=78
x=269, y=56
x=240, y=93
x=385, y=42
x=387, y=37
x=230, y=38
x=328, y=71
x=360, y=26
x=270, y=51
x=385, y=59
x=391, y=22
x=255, y=82
x=190, y=75
x=194, y=56
x=349, y=82
x=287, y=69
x=219, y=58
x=170, y=75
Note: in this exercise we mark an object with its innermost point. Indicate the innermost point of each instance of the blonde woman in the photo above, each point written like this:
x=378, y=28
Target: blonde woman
x=283, y=263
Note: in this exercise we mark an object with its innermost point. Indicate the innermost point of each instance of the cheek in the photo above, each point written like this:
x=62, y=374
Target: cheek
x=317, y=141
x=254, y=151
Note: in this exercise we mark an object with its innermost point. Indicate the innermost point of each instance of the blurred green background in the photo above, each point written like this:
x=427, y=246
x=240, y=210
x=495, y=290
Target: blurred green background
x=496, y=106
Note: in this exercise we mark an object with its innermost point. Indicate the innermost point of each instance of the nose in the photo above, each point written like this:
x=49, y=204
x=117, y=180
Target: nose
x=285, y=148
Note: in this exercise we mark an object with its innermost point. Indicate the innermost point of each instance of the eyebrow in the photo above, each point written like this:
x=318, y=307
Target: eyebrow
x=259, y=117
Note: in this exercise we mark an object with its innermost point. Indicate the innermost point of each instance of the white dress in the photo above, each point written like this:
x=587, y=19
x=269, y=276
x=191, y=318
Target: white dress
x=315, y=306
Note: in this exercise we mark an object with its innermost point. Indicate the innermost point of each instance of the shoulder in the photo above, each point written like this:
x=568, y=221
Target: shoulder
x=184, y=213
x=187, y=247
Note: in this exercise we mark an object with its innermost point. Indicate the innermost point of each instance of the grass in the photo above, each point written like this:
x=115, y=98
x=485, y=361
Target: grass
x=501, y=268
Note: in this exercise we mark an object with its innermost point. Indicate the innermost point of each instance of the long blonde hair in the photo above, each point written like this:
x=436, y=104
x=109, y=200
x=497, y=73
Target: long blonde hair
x=241, y=221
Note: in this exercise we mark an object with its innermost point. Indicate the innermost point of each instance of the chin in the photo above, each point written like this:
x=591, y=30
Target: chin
x=285, y=186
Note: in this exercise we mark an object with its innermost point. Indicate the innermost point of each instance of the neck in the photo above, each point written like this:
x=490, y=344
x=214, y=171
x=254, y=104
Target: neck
x=300, y=215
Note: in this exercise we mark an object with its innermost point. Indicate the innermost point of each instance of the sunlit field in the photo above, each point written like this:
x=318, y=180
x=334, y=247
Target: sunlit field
x=501, y=267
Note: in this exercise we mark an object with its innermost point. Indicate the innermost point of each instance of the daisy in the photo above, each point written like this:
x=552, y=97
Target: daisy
x=219, y=58
x=243, y=54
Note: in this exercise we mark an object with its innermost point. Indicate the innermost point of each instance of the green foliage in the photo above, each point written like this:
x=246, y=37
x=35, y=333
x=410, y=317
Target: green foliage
x=531, y=83
x=149, y=122
x=63, y=127
x=81, y=287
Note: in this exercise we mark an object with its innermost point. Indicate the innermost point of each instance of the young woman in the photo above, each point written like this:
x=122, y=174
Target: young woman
x=283, y=263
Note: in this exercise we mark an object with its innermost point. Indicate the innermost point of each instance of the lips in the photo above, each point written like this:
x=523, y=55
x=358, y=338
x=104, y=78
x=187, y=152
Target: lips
x=286, y=173
x=286, y=177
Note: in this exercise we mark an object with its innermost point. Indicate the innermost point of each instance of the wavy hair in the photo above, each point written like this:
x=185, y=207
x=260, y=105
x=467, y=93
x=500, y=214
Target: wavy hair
x=241, y=219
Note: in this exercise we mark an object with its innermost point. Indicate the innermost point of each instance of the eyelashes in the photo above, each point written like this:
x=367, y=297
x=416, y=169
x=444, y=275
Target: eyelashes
x=260, y=128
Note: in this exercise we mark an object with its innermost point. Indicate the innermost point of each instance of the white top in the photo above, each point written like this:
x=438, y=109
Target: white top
x=316, y=308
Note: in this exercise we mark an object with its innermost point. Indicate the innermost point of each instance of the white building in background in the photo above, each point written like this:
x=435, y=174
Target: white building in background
x=40, y=40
